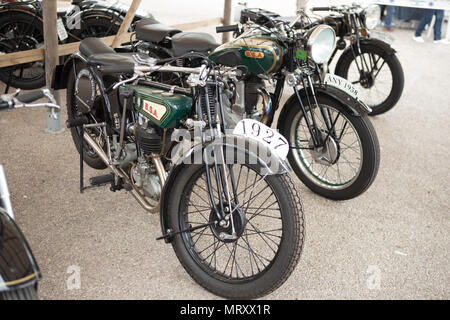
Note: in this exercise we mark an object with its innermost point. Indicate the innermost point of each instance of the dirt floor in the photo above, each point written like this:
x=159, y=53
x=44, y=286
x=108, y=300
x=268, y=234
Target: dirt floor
x=390, y=243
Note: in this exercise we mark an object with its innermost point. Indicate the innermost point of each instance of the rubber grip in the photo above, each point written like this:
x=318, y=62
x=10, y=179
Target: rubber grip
x=112, y=70
x=77, y=122
x=31, y=96
x=230, y=28
x=4, y=105
x=320, y=9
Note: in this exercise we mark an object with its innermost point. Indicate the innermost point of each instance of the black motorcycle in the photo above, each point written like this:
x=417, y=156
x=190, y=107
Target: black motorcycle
x=22, y=28
x=19, y=272
x=368, y=60
x=226, y=202
x=334, y=147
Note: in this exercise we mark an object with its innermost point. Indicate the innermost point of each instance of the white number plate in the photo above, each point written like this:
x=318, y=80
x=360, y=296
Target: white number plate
x=62, y=33
x=341, y=83
x=254, y=129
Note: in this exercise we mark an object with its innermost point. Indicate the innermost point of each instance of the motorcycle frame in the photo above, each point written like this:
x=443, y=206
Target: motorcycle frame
x=220, y=167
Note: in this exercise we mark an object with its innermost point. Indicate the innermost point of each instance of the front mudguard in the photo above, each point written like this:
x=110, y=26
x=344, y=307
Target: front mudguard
x=238, y=149
x=18, y=267
x=364, y=42
x=354, y=106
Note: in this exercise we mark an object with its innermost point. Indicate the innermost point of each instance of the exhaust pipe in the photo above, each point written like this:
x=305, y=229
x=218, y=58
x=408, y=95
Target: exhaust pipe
x=120, y=173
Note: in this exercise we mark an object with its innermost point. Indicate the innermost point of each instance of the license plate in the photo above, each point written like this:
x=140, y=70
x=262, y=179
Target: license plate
x=341, y=83
x=381, y=36
x=256, y=130
x=62, y=33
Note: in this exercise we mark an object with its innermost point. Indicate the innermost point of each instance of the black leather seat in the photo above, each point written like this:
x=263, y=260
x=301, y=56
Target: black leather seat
x=153, y=31
x=90, y=46
x=99, y=54
x=185, y=42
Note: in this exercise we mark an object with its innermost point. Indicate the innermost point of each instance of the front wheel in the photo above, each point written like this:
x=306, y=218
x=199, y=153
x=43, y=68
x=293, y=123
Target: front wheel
x=377, y=74
x=346, y=163
x=268, y=223
x=27, y=293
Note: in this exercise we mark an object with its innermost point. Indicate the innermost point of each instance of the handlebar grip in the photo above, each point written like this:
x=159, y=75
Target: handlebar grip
x=4, y=105
x=320, y=9
x=31, y=96
x=72, y=123
x=113, y=70
x=230, y=28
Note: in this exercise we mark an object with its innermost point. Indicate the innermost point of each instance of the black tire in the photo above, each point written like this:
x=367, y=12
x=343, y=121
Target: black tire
x=32, y=35
x=89, y=156
x=212, y=278
x=310, y=171
x=396, y=76
x=28, y=293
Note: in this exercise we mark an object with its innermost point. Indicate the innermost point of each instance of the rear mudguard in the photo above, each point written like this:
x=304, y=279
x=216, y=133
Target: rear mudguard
x=354, y=106
x=61, y=73
x=237, y=148
x=18, y=267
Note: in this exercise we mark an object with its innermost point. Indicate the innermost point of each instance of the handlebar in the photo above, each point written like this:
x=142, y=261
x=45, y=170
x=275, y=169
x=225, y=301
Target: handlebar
x=14, y=100
x=230, y=28
x=323, y=8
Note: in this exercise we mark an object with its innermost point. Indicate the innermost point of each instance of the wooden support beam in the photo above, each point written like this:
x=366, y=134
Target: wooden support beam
x=49, y=9
x=15, y=58
x=126, y=23
x=226, y=19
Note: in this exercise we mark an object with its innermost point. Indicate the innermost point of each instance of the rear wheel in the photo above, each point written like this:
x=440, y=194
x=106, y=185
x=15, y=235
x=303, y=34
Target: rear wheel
x=269, y=232
x=74, y=112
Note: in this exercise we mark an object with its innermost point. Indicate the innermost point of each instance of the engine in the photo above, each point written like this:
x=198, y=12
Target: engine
x=142, y=168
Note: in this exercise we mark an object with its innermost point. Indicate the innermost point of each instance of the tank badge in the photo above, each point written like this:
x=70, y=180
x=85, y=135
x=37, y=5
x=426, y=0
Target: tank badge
x=254, y=54
x=155, y=110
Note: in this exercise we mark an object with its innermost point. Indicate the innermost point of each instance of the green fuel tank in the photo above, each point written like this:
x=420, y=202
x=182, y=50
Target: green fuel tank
x=161, y=107
x=260, y=54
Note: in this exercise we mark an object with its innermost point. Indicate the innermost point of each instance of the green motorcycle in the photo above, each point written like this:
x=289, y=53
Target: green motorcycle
x=334, y=147
x=226, y=202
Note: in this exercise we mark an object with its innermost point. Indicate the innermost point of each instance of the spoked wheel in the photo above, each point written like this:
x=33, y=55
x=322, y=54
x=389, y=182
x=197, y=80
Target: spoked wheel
x=20, y=32
x=346, y=163
x=376, y=74
x=254, y=250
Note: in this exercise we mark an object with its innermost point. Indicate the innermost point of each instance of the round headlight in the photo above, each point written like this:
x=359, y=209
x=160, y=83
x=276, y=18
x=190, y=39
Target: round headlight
x=372, y=16
x=321, y=42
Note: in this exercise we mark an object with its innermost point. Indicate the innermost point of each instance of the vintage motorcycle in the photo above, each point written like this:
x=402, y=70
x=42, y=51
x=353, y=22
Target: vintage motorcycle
x=226, y=201
x=21, y=28
x=369, y=61
x=19, y=271
x=334, y=147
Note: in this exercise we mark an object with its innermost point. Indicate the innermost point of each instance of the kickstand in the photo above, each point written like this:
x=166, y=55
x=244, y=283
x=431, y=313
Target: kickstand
x=82, y=160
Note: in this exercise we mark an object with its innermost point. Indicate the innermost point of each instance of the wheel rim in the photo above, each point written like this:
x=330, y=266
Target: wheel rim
x=342, y=151
x=259, y=224
x=375, y=83
x=17, y=36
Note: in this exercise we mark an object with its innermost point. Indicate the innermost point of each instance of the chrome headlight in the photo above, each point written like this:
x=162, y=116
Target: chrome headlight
x=321, y=42
x=372, y=16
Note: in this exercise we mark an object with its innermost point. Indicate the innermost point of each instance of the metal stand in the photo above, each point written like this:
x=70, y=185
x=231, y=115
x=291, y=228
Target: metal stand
x=55, y=125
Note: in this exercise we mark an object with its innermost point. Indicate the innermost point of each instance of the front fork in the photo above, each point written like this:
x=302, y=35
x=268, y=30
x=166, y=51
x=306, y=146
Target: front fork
x=311, y=121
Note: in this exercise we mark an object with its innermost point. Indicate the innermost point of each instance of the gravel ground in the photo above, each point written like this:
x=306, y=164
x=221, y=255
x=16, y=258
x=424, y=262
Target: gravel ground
x=390, y=243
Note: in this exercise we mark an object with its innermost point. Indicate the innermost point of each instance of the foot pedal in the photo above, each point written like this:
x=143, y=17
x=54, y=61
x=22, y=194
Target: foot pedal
x=102, y=180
